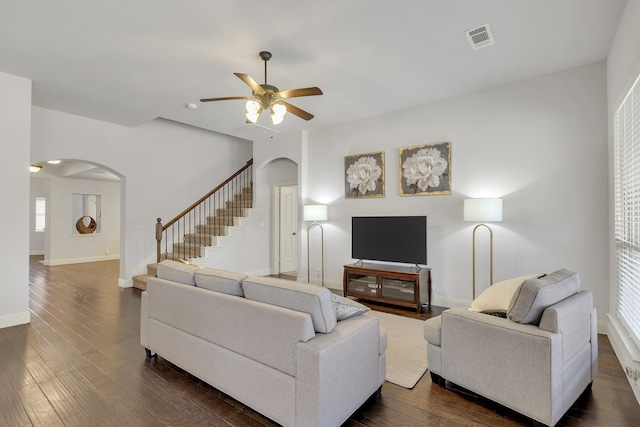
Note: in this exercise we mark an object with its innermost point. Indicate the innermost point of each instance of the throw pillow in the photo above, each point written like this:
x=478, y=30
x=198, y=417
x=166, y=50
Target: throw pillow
x=535, y=295
x=497, y=297
x=346, y=308
x=184, y=261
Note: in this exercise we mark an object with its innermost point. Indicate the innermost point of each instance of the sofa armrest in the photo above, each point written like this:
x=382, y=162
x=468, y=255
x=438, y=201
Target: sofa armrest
x=519, y=366
x=337, y=372
x=144, y=319
x=571, y=317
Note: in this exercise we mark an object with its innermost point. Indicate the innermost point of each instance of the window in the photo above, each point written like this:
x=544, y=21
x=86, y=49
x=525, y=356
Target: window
x=627, y=210
x=41, y=205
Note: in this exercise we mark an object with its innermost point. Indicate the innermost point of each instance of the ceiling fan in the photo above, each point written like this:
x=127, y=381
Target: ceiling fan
x=270, y=98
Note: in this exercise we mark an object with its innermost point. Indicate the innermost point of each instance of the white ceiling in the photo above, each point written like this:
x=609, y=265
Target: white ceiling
x=128, y=62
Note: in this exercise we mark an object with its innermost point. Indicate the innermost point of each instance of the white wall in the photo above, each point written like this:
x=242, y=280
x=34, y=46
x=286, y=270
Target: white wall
x=623, y=66
x=165, y=166
x=66, y=246
x=15, y=125
x=540, y=144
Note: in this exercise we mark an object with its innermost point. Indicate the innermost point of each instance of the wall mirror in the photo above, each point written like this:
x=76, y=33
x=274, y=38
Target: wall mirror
x=86, y=213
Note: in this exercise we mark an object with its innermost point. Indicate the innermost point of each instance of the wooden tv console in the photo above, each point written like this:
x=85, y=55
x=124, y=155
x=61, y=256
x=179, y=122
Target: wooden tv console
x=397, y=285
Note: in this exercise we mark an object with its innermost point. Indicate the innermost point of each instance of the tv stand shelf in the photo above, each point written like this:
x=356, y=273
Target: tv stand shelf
x=398, y=285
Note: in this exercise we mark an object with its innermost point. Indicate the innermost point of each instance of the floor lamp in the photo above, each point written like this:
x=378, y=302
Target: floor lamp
x=482, y=210
x=315, y=213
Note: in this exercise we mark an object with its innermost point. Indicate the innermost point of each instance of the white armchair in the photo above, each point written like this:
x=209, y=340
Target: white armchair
x=538, y=370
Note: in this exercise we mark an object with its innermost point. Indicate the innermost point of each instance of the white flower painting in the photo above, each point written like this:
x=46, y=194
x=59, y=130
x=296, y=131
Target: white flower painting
x=364, y=175
x=425, y=170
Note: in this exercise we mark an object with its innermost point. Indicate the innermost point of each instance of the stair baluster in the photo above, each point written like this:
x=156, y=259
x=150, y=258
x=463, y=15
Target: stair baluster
x=207, y=218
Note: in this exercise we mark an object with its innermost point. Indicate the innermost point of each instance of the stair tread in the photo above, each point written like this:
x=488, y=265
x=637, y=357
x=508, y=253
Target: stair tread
x=238, y=203
x=140, y=281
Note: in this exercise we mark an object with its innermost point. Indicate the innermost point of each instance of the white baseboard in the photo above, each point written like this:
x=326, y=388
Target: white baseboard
x=36, y=252
x=49, y=263
x=124, y=283
x=333, y=285
x=603, y=328
x=627, y=352
x=449, y=302
x=15, y=319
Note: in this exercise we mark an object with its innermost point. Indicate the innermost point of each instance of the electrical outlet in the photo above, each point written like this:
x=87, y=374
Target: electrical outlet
x=106, y=252
x=317, y=274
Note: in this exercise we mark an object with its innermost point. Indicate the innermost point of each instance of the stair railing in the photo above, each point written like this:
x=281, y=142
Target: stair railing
x=209, y=216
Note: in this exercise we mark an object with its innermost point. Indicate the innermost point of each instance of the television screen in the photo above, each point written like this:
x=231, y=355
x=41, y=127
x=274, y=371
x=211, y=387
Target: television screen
x=390, y=238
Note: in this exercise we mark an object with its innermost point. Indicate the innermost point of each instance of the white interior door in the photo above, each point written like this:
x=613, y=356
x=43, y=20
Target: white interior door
x=288, y=228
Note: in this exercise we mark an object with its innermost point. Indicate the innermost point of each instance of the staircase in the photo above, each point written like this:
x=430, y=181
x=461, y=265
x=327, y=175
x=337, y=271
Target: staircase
x=202, y=224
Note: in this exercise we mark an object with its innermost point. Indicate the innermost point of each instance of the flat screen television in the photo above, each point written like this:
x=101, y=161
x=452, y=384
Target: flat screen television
x=389, y=238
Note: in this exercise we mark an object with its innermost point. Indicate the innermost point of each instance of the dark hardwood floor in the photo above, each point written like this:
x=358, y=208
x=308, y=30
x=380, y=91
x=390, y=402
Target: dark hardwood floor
x=79, y=363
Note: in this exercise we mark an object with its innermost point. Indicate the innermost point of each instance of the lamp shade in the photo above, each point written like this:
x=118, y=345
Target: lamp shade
x=315, y=213
x=483, y=210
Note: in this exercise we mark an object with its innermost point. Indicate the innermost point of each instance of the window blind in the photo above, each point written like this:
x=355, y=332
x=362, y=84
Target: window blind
x=627, y=210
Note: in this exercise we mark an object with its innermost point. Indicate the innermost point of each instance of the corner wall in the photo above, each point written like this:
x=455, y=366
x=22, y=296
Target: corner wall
x=15, y=125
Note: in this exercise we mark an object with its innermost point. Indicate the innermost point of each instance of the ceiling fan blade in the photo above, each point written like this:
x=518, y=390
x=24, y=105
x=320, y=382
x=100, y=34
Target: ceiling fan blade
x=297, y=111
x=255, y=87
x=306, y=91
x=226, y=98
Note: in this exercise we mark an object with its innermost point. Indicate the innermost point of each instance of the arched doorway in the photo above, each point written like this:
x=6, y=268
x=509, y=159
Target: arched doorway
x=70, y=190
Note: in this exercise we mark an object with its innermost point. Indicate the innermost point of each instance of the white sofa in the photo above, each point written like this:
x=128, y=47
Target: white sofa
x=537, y=360
x=274, y=345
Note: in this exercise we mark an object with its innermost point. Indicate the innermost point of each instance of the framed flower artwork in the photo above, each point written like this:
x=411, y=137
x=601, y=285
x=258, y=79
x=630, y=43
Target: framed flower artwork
x=364, y=175
x=425, y=170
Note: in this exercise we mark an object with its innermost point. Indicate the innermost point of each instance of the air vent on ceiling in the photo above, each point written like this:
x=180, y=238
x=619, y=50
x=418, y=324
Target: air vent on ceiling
x=480, y=37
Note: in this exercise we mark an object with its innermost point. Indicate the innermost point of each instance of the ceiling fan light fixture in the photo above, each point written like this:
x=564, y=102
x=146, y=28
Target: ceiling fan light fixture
x=252, y=106
x=277, y=113
x=253, y=110
x=276, y=120
x=35, y=168
x=253, y=117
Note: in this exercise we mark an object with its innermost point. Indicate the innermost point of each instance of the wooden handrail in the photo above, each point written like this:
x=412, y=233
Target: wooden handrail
x=206, y=196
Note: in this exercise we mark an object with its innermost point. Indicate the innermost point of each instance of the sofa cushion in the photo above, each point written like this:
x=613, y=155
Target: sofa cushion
x=220, y=281
x=177, y=272
x=535, y=295
x=497, y=298
x=346, y=308
x=296, y=296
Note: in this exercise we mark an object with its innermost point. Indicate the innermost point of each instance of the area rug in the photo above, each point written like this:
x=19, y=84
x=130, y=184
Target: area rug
x=406, y=348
